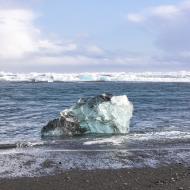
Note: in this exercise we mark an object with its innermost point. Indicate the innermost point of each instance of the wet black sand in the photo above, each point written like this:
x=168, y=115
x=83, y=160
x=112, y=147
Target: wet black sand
x=162, y=178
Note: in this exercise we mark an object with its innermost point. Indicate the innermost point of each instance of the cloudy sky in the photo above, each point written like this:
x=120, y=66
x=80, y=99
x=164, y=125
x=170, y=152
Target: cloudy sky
x=94, y=35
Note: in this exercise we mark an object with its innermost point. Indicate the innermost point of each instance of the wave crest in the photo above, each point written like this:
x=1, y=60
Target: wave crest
x=182, y=76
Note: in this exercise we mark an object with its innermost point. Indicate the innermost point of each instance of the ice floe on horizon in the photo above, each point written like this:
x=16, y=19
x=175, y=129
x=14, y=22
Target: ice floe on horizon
x=181, y=76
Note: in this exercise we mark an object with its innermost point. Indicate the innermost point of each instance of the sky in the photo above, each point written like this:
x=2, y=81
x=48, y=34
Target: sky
x=71, y=36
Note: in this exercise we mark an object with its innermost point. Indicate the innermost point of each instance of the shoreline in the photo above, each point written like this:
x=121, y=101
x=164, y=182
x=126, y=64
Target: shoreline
x=167, y=177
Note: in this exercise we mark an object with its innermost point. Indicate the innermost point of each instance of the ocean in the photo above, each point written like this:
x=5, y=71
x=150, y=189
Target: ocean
x=159, y=129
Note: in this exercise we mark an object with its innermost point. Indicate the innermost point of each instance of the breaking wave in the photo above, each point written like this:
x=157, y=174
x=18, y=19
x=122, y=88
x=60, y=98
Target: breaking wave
x=182, y=76
x=151, y=136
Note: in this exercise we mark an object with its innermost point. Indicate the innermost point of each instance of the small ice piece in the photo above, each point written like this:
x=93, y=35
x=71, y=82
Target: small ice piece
x=100, y=114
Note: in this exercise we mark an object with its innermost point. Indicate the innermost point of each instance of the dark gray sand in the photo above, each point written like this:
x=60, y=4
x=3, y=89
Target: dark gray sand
x=163, y=178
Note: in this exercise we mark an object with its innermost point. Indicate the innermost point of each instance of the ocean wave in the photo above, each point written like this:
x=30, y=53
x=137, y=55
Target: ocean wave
x=182, y=76
x=20, y=144
x=151, y=136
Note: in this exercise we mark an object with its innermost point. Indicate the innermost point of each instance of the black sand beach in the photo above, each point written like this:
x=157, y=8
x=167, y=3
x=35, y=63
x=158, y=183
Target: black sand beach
x=162, y=178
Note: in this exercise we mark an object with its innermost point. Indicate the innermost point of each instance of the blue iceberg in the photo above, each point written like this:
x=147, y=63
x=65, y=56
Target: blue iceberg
x=102, y=114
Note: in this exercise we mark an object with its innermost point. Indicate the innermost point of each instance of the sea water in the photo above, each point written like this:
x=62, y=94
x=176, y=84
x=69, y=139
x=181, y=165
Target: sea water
x=159, y=130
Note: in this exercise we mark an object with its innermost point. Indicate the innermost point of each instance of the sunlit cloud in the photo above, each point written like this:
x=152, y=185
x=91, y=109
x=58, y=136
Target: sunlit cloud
x=170, y=25
x=134, y=17
x=25, y=44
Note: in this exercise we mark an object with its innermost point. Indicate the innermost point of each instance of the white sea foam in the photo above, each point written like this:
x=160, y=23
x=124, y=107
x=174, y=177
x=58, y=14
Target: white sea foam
x=182, y=76
x=156, y=136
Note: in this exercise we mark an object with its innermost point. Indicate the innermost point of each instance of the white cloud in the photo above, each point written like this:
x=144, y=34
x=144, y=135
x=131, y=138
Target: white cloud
x=185, y=54
x=17, y=34
x=95, y=50
x=166, y=11
x=20, y=37
x=22, y=43
x=170, y=24
x=133, y=17
x=49, y=46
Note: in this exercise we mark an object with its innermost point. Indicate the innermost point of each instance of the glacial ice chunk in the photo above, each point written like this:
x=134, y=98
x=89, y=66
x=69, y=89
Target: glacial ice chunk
x=100, y=114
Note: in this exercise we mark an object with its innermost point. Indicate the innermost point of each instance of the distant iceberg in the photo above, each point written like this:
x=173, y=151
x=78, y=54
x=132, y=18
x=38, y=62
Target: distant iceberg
x=105, y=114
x=182, y=76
